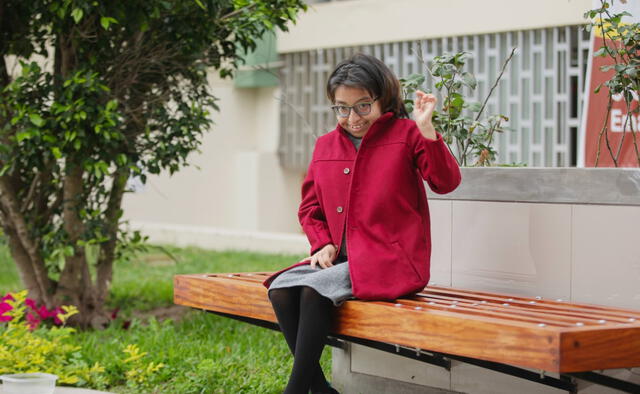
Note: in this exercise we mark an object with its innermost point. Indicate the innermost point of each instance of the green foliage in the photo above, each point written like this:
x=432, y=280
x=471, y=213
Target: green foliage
x=621, y=44
x=46, y=349
x=55, y=350
x=458, y=120
x=202, y=352
x=122, y=92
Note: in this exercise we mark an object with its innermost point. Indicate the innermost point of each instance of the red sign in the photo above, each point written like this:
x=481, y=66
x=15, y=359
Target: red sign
x=608, y=134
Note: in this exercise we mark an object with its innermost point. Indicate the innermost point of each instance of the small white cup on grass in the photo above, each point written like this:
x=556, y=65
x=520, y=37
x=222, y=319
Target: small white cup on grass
x=28, y=383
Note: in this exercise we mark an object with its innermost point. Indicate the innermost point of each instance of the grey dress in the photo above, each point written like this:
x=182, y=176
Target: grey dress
x=333, y=282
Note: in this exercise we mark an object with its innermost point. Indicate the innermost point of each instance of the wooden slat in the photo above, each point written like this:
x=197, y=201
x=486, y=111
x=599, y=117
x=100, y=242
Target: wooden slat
x=555, y=336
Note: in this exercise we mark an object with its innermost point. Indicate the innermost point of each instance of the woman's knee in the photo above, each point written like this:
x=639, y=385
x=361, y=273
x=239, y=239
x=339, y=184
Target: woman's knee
x=283, y=296
x=309, y=295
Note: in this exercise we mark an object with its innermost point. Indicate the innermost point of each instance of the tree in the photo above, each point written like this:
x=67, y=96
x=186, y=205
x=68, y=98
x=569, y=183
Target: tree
x=93, y=92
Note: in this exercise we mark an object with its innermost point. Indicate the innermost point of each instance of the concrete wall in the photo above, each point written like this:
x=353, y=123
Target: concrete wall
x=350, y=23
x=577, y=251
x=235, y=183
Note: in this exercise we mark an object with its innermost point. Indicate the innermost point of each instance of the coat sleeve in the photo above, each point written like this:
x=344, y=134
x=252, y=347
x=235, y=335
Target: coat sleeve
x=435, y=162
x=311, y=215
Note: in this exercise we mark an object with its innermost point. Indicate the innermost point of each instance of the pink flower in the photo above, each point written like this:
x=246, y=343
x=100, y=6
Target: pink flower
x=8, y=297
x=44, y=313
x=55, y=314
x=4, y=308
x=33, y=321
x=31, y=303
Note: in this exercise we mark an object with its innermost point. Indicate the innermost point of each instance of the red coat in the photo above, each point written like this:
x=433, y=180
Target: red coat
x=377, y=195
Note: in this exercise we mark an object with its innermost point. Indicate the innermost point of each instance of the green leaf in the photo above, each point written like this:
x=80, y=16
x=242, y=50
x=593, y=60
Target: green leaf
x=199, y=3
x=469, y=80
x=121, y=159
x=23, y=135
x=112, y=104
x=602, y=52
x=106, y=21
x=77, y=14
x=36, y=120
x=56, y=152
x=474, y=107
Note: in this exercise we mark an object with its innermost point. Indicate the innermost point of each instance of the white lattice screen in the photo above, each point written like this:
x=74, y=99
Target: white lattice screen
x=541, y=90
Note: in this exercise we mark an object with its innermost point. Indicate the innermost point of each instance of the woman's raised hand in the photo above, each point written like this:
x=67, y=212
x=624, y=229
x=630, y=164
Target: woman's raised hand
x=323, y=257
x=423, y=107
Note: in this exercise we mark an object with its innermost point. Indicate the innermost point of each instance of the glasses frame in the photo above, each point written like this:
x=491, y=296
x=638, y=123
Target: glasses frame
x=353, y=108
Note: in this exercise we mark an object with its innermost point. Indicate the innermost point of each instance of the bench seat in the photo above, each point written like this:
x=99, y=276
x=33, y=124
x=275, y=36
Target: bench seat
x=548, y=335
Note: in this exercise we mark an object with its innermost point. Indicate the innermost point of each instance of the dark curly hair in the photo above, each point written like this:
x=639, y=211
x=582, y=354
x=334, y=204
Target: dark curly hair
x=371, y=74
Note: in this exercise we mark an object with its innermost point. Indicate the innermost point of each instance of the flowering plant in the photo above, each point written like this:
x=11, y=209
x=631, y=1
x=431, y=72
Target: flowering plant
x=35, y=315
x=35, y=339
x=26, y=346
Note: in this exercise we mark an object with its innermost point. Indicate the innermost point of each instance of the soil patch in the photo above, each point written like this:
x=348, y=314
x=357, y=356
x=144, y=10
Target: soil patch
x=173, y=312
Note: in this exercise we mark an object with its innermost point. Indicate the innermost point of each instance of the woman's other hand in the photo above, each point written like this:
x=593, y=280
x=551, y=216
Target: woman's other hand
x=323, y=257
x=423, y=107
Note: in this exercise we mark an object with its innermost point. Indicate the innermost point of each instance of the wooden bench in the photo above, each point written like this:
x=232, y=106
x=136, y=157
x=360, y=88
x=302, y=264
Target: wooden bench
x=533, y=333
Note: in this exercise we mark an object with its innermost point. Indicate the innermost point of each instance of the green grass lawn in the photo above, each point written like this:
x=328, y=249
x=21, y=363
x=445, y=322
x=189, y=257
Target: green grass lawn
x=202, y=352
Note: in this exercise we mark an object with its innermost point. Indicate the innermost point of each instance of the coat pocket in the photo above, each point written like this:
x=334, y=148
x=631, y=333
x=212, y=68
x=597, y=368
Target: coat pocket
x=406, y=259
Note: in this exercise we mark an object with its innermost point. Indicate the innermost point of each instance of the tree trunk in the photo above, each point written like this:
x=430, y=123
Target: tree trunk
x=25, y=267
x=75, y=286
x=21, y=241
x=107, y=249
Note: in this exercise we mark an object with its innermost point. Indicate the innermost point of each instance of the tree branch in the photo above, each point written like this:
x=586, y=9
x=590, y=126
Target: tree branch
x=238, y=11
x=504, y=66
x=9, y=202
x=22, y=260
x=603, y=132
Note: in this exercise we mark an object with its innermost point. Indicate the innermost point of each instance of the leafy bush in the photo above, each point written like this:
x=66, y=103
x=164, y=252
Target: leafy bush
x=25, y=346
x=459, y=121
x=35, y=339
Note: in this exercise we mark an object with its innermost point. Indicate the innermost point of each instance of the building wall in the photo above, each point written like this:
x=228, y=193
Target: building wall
x=235, y=182
x=540, y=89
x=361, y=22
x=240, y=185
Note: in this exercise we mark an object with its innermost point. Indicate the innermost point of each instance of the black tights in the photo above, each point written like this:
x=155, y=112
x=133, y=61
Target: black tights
x=305, y=318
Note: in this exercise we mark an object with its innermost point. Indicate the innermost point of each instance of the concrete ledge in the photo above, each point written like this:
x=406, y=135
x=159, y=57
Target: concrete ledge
x=602, y=186
x=348, y=382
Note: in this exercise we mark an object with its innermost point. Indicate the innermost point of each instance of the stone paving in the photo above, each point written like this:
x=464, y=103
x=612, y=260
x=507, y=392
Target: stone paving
x=71, y=390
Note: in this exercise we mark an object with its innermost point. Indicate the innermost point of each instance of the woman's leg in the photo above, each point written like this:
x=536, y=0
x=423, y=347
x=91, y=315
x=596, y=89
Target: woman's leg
x=304, y=317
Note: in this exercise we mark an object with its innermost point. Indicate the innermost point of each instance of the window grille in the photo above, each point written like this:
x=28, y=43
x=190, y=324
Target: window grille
x=541, y=90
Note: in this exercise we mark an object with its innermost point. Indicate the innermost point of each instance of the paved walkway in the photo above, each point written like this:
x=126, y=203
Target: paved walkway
x=75, y=390
x=71, y=390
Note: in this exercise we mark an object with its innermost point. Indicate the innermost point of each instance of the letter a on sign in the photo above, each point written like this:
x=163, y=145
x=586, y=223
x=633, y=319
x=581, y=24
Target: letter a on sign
x=623, y=119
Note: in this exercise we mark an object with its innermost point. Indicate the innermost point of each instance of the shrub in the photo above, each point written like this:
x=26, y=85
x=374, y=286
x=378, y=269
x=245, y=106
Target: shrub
x=35, y=339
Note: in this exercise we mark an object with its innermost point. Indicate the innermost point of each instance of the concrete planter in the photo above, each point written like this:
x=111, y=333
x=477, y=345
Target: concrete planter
x=608, y=186
x=560, y=233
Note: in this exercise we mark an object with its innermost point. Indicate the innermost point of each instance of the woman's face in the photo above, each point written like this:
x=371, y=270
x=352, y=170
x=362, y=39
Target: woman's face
x=356, y=124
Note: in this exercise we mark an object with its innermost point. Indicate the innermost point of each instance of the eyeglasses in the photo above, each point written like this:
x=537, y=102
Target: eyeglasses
x=362, y=109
